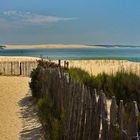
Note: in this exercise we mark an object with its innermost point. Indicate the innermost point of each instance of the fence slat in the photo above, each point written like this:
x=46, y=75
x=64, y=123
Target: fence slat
x=133, y=123
x=105, y=126
x=113, y=120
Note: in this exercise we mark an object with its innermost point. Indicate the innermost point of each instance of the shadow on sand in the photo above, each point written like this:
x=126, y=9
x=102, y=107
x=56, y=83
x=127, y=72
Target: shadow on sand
x=31, y=129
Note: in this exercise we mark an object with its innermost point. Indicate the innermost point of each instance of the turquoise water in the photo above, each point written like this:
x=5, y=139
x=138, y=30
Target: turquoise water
x=125, y=53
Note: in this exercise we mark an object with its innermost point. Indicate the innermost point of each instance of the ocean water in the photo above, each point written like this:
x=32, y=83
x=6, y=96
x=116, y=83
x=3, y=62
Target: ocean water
x=120, y=53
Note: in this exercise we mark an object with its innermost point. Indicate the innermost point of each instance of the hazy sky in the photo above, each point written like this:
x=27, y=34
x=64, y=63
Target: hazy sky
x=70, y=21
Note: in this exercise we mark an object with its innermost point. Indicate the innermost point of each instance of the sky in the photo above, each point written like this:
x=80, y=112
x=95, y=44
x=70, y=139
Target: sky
x=70, y=22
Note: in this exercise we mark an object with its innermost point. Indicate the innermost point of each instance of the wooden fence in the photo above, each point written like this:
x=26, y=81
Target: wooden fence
x=86, y=117
x=17, y=68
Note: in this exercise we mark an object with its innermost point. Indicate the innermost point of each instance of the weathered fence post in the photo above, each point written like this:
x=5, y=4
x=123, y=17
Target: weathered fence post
x=87, y=114
x=12, y=65
x=80, y=110
x=83, y=114
x=66, y=64
x=98, y=117
x=20, y=67
x=113, y=120
x=105, y=124
x=93, y=111
x=121, y=115
x=133, y=123
x=59, y=63
x=121, y=120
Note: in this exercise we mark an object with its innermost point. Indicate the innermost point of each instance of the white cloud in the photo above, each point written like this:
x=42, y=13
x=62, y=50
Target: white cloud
x=30, y=18
x=9, y=13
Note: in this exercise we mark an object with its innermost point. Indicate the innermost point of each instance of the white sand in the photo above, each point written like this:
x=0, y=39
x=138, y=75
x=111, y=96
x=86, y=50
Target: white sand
x=17, y=117
x=18, y=58
x=50, y=46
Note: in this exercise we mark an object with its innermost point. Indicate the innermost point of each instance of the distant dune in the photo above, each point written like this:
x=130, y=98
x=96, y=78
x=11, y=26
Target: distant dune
x=50, y=46
x=59, y=46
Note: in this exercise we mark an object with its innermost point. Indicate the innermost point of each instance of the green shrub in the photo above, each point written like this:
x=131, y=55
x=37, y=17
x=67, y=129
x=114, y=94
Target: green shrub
x=50, y=118
x=125, y=86
x=35, y=83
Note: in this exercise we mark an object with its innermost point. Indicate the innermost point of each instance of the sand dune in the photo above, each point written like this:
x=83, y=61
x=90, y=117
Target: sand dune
x=95, y=67
x=49, y=46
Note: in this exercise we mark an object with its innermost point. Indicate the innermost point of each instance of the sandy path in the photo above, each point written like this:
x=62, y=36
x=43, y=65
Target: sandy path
x=18, y=119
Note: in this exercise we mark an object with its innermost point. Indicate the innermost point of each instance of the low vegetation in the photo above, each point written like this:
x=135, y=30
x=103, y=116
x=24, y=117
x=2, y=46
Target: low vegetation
x=50, y=118
x=125, y=86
